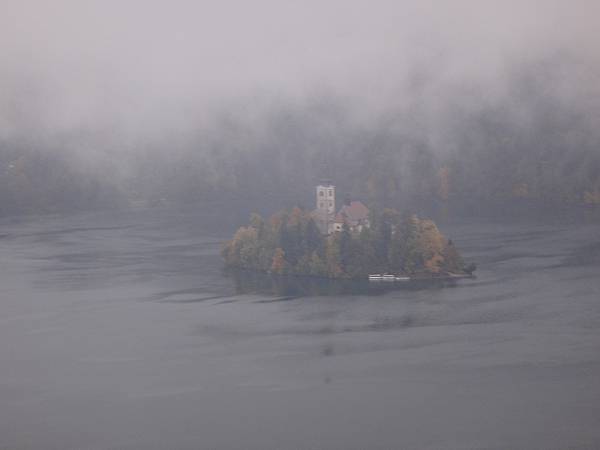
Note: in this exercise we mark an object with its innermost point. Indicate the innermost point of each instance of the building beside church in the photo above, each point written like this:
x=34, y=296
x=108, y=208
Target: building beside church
x=354, y=213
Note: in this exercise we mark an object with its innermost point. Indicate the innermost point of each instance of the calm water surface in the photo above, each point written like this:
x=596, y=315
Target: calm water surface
x=122, y=332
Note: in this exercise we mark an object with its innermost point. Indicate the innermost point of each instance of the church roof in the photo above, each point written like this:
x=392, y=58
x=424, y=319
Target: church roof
x=353, y=213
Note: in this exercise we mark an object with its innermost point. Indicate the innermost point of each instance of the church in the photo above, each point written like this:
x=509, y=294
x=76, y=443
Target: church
x=354, y=213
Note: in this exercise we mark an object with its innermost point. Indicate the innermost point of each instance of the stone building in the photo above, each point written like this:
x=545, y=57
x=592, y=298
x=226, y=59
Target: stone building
x=354, y=213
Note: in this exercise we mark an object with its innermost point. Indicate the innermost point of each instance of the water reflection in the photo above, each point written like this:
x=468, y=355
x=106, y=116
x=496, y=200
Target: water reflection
x=290, y=287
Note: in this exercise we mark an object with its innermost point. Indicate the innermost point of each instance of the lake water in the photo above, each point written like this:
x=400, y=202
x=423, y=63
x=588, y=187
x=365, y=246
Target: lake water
x=121, y=331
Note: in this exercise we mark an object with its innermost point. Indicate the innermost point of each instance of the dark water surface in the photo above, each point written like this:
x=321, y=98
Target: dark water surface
x=121, y=331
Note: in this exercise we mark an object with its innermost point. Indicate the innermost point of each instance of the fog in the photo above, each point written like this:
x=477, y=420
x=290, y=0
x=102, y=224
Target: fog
x=136, y=136
x=131, y=94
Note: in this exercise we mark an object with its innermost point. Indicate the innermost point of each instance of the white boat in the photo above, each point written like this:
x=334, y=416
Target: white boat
x=387, y=277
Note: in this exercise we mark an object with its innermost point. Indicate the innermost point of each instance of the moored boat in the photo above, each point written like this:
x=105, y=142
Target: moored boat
x=387, y=277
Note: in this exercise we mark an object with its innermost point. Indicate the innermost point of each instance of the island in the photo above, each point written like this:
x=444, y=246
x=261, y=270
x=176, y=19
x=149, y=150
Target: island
x=354, y=243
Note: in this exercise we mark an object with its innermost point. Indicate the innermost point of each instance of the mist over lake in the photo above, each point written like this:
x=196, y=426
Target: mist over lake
x=121, y=330
x=320, y=225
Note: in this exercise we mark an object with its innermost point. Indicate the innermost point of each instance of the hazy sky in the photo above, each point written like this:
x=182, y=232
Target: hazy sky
x=73, y=62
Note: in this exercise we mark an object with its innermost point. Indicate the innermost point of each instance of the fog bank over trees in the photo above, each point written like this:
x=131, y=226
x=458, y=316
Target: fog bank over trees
x=402, y=104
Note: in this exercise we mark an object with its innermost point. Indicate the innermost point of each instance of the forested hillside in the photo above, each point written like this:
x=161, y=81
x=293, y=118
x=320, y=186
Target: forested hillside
x=45, y=180
x=534, y=139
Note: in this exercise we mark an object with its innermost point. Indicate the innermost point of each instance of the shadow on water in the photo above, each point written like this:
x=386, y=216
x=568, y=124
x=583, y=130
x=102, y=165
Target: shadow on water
x=290, y=287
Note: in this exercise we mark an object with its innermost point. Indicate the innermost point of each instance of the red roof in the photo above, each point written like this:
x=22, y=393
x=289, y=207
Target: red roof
x=354, y=212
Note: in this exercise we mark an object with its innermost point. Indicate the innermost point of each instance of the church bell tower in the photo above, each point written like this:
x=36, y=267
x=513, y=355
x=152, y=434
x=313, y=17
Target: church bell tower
x=325, y=207
x=326, y=198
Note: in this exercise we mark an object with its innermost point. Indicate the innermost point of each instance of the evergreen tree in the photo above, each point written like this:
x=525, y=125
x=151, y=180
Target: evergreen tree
x=410, y=251
x=317, y=266
x=345, y=247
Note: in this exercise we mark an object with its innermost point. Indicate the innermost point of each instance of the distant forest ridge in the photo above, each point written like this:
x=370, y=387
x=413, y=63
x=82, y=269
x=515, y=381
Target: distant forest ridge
x=537, y=142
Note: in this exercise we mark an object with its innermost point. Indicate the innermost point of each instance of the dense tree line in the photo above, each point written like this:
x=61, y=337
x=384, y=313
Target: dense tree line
x=533, y=140
x=44, y=181
x=290, y=243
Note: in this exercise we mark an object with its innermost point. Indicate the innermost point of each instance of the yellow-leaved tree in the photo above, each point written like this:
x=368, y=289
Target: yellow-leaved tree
x=279, y=264
x=432, y=244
